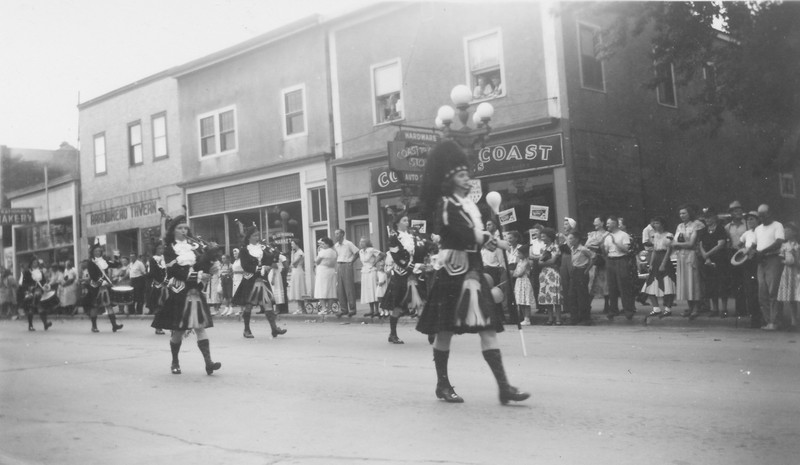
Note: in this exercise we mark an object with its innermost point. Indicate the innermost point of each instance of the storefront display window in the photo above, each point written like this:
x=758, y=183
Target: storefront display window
x=522, y=193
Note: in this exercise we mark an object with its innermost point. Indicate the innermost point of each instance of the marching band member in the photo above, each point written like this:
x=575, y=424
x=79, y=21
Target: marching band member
x=185, y=309
x=157, y=273
x=32, y=283
x=460, y=298
x=97, y=295
x=257, y=260
x=402, y=283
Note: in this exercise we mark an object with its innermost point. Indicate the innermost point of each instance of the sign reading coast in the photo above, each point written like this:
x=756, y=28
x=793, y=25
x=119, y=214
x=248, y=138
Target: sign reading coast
x=9, y=216
x=527, y=155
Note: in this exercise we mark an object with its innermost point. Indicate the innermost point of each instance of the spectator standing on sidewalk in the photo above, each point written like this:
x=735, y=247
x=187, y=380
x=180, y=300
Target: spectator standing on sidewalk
x=68, y=288
x=789, y=287
x=8, y=293
x=597, y=276
x=137, y=273
x=769, y=238
x=550, y=291
x=369, y=275
x=581, y=261
x=734, y=287
x=661, y=279
x=346, y=253
x=749, y=272
x=325, y=274
x=688, y=270
x=493, y=260
x=711, y=242
x=523, y=291
x=297, y=283
x=617, y=245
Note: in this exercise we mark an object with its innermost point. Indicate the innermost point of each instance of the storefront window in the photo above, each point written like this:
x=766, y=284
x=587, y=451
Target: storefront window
x=285, y=222
x=520, y=194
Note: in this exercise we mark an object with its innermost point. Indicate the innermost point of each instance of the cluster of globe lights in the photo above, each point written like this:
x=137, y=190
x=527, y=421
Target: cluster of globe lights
x=461, y=97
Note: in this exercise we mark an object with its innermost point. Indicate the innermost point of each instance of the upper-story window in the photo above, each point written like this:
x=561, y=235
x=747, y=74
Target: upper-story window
x=591, y=67
x=387, y=88
x=159, y=123
x=294, y=111
x=100, y=153
x=710, y=78
x=786, y=185
x=665, y=92
x=485, y=69
x=218, y=132
x=135, y=156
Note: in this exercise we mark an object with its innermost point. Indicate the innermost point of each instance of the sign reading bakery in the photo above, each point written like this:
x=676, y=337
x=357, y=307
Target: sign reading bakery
x=126, y=212
x=527, y=155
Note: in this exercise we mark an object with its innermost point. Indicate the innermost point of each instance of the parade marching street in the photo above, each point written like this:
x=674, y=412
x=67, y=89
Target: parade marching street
x=335, y=393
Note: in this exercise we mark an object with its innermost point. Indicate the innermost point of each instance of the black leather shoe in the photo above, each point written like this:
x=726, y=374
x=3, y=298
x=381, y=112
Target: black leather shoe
x=278, y=332
x=176, y=369
x=48, y=325
x=448, y=394
x=247, y=334
x=159, y=331
x=116, y=328
x=395, y=340
x=95, y=330
x=511, y=393
x=31, y=328
x=211, y=368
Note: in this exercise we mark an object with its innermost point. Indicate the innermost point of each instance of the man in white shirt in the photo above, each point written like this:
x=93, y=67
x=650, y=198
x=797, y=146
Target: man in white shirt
x=616, y=246
x=347, y=253
x=137, y=273
x=769, y=237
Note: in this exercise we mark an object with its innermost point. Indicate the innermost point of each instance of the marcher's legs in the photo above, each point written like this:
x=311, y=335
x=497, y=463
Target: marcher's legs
x=493, y=357
x=203, y=345
x=246, y=317
x=113, y=319
x=272, y=319
x=441, y=354
x=395, y=316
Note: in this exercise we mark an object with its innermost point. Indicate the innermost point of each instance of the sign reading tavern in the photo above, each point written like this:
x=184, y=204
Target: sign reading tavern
x=112, y=215
x=9, y=216
x=527, y=155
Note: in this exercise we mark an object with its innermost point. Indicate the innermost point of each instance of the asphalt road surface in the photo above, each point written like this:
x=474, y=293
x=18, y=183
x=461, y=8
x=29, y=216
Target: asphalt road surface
x=327, y=393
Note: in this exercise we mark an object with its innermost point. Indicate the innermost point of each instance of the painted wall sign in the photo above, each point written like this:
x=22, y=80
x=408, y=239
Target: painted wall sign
x=527, y=155
x=9, y=216
x=383, y=180
x=112, y=215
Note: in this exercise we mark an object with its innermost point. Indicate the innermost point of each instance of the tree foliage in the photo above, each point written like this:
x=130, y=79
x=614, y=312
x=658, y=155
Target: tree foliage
x=752, y=49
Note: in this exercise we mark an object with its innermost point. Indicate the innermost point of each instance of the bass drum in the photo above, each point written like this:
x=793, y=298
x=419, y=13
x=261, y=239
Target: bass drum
x=121, y=295
x=49, y=299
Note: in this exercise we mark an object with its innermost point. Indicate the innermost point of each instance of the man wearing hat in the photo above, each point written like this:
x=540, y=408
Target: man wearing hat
x=734, y=229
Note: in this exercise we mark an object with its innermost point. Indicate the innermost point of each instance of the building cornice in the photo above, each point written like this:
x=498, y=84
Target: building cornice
x=250, y=172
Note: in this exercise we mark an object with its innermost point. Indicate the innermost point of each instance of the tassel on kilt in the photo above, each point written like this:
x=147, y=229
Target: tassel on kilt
x=103, y=298
x=468, y=308
x=412, y=297
x=163, y=294
x=194, y=310
x=260, y=295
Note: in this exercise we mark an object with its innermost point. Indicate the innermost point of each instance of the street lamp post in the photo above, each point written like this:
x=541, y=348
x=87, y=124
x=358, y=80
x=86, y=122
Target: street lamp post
x=469, y=139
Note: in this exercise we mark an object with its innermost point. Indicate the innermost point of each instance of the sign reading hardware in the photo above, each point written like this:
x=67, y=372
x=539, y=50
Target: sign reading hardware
x=408, y=153
x=527, y=155
x=125, y=212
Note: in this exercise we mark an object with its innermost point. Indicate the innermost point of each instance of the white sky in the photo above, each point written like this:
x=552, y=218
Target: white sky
x=53, y=50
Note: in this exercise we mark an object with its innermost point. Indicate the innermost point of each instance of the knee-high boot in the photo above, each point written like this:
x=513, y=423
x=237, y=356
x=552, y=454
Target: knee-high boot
x=507, y=391
x=272, y=317
x=443, y=388
x=211, y=366
x=113, y=319
x=43, y=317
x=175, y=347
x=30, y=321
x=94, y=325
x=246, y=318
x=393, y=331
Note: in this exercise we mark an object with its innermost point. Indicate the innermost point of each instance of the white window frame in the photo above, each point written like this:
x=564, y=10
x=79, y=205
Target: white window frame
x=284, y=92
x=373, y=96
x=787, y=179
x=101, y=135
x=153, y=118
x=580, y=57
x=311, y=190
x=674, y=89
x=132, y=146
x=501, y=58
x=218, y=139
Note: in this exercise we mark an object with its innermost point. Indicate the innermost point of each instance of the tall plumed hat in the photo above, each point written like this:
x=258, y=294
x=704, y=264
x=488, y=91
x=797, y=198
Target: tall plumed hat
x=249, y=231
x=175, y=222
x=445, y=160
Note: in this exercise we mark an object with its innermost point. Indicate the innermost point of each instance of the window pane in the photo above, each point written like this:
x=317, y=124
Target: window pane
x=208, y=145
x=136, y=134
x=207, y=126
x=226, y=121
x=666, y=90
x=587, y=41
x=387, y=79
x=294, y=101
x=159, y=126
x=227, y=141
x=136, y=154
x=294, y=124
x=484, y=52
x=100, y=154
x=160, y=147
x=358, y=207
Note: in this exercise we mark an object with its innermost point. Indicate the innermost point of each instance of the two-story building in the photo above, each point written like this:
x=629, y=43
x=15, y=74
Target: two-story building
x=130, y=164
x=409, y=58
x=255, y=127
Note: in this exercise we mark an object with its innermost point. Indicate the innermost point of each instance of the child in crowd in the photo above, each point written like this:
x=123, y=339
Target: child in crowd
x=380, y=290
x=523, y=290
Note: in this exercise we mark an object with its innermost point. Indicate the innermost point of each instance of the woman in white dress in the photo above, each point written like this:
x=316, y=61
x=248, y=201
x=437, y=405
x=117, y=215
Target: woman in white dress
x=369, y=275
x=689, y=287
x=297, y=280
x=238, y=273
x=325, y=279
x=275, y=277
x=68, y=287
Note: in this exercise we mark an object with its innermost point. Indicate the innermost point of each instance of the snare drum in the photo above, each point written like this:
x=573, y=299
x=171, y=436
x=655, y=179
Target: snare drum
x=121, y=295
x=49, y=299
